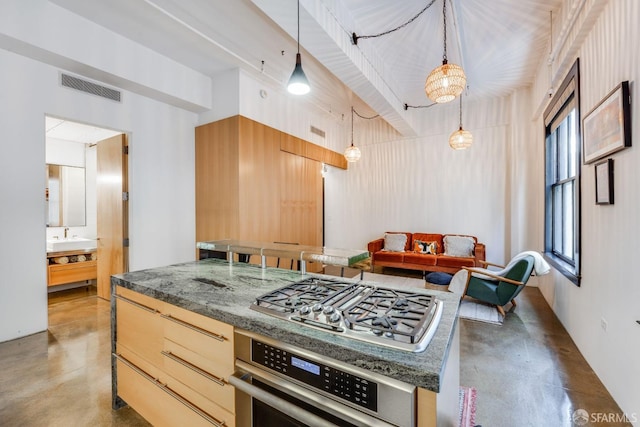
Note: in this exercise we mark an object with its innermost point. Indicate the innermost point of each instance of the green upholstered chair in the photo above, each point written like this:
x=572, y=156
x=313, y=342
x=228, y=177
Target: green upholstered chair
x=500, y=287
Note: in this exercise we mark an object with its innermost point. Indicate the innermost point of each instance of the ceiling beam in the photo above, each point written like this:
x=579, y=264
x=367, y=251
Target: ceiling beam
x=331, y=46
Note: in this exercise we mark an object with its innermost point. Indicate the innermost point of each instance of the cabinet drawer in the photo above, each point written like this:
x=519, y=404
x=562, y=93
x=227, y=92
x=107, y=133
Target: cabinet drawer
x=146, y=301
x=208, y=338
x=139, y=329
x=58, y=274
x=150, y=369
x=199, y=374
x=157, y=402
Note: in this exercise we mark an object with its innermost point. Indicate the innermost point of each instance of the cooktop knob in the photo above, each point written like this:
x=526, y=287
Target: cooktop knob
x=335, y=317
x=328, y=310
x=305, y=309
x=317, y=307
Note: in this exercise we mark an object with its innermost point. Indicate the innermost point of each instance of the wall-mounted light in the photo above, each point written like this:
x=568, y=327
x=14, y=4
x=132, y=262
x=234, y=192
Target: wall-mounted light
x=324, y=170
x=298, y=83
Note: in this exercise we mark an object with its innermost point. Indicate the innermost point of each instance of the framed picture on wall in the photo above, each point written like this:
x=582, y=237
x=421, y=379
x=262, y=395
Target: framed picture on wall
x=604, y=182
x=607, y=127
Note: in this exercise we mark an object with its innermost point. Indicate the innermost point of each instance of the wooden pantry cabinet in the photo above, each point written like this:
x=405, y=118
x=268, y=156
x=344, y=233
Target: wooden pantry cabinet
x=171, y=364
x=256, y=183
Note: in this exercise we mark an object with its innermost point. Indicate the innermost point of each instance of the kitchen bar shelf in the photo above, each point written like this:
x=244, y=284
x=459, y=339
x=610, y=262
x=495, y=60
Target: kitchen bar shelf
x=301, y=253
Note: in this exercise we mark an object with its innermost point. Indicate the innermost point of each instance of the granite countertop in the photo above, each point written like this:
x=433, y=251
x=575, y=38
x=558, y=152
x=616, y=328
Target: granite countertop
x=224, y=292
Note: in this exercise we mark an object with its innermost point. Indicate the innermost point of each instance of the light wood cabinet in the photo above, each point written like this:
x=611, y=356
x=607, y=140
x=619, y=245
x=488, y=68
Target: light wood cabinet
x=173, y=364
x=256, y=183
x=70, y=272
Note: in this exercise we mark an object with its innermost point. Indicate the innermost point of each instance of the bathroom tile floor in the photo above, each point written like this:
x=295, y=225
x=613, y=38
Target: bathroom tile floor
x=527, y=372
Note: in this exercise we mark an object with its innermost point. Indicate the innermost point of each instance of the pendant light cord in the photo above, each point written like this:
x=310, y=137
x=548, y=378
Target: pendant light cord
x=353, y=111
x=355, y=38
x=298, y=26
x=461, y=111
x=444, y=14
x=363, y=117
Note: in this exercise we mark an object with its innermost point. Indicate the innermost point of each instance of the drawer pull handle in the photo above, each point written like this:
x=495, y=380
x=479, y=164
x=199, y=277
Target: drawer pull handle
x=170, y=392
x=135, y=368
x=194, y=368
x=218, y=337
x=191, y=406
x=137, y=304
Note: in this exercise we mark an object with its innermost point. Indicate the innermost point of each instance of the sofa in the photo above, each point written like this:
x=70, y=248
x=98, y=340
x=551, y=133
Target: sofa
x=427, y=252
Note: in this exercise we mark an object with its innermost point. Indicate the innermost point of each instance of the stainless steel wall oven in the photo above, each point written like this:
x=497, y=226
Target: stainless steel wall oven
x=282, y=385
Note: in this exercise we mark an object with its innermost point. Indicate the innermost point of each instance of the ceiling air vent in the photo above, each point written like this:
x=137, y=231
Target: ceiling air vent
x=317, y=131
x=88, y=87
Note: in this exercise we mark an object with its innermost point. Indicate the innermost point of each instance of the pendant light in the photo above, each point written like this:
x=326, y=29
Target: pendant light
x=298, y=83
x=352, y=153
x=447, y=81
x=460, y=139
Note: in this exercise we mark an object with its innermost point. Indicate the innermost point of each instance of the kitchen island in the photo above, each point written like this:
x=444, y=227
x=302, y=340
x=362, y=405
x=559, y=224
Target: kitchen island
x=221, y=291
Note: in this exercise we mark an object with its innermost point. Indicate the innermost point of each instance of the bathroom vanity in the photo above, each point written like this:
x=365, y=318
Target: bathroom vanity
x=83, y=267
x=71, y=260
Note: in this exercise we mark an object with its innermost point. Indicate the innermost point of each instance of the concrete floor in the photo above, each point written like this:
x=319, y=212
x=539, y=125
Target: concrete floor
x=527, y=372
x=62, y=377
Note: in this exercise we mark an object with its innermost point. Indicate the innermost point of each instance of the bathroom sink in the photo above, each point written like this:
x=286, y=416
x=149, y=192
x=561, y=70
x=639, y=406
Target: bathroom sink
x=70, y=244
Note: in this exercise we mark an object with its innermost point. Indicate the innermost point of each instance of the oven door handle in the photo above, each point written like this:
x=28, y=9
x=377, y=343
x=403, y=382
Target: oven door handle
x=276, y=402
x=239, y=380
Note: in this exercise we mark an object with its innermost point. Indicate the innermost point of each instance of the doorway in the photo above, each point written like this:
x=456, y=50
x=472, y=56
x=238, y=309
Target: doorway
x=86, y=248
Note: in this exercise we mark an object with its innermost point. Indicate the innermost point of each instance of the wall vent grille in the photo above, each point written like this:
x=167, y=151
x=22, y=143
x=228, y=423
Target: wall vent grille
x=89, y=87
x=317, y=131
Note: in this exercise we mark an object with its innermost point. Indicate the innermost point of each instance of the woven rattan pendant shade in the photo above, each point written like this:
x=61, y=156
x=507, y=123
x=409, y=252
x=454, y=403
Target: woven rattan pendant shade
x=460, y=139
x=445, y=83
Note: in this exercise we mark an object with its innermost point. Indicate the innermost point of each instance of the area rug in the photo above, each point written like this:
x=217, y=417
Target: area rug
x=468, y=397
x=474, y=310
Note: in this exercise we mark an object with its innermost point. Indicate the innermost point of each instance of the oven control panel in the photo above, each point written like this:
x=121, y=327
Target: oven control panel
x=336, y=382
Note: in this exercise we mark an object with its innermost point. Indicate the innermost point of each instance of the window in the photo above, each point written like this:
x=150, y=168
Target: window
x=562, y=178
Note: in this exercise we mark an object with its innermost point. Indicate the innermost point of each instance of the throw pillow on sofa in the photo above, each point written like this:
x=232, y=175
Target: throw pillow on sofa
x=425, y=247
x=394, y=242
x=460, y=246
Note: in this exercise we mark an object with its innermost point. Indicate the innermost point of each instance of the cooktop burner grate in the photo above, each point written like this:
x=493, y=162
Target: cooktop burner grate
x=404, y=319
x=306, y=293
x=391, y=313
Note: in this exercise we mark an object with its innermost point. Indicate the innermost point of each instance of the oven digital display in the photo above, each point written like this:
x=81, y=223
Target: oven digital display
x=330, y=380
x=305, y=366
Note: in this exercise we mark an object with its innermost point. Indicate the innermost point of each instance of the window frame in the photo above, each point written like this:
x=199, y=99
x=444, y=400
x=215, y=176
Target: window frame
x=568, y=92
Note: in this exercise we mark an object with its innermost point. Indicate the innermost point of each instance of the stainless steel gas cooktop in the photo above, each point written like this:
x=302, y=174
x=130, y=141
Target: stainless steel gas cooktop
x=401, y=319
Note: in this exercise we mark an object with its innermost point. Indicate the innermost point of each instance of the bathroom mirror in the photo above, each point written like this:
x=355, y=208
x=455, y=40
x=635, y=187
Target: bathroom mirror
x=66, y=196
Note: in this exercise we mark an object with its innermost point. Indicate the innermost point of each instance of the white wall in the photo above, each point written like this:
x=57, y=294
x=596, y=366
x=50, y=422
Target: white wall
x=49, y=33
x=417, y=184
x=422, y=185
x=267, y=102
x=161, y=177
x=609, y=290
